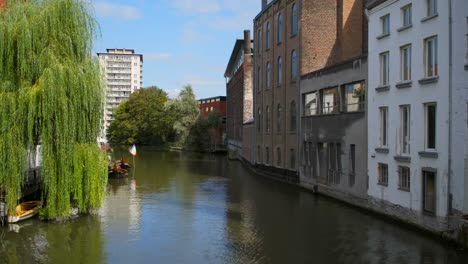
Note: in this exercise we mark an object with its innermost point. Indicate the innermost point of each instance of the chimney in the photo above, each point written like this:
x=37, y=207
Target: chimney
x=247, y=42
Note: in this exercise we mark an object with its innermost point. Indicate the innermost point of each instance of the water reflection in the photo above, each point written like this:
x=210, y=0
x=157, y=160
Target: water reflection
x=190, y=208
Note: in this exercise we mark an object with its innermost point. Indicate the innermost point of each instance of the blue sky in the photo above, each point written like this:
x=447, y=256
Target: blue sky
x=183, y=41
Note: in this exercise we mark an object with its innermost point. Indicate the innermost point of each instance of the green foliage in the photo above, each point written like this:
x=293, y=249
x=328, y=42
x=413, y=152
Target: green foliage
x=142, y=119
x=51, y=94
x=184, y=111
x=205, y=132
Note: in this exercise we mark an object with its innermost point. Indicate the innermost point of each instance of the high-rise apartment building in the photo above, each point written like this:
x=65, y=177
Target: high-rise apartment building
x=123, y=70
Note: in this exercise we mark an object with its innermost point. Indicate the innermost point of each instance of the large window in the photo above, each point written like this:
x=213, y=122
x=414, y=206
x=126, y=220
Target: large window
x=430, y=57
x=406, y=15
x=267, y=119
x=292, y=159
x=385, y=23
x=278, y=118
x=330, y=101
x=384, y=69
x=429, y=191
x=431, y=7
x=259, y=79
x=404, y=178
x=280, y=71
x=405, y=63
x=268, y=75
x=268, y=35
x=405, y=121
x=355, y=97
x=431, y=121
x=310, y=104
x=259, y=120
x=383, y=174
x=294, y=19
x=293, y=65
x=259, y=41
x=292, y=121
x=280, y=28
x=383, y=126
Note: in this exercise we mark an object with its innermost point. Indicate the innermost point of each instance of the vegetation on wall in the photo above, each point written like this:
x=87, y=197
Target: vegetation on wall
x=51, y=93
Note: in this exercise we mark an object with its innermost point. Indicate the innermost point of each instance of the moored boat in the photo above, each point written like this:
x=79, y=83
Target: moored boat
x=117, y=172
x=25, y=211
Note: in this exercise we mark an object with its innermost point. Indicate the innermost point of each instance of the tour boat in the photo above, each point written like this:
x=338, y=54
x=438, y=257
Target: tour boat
x=25, y=211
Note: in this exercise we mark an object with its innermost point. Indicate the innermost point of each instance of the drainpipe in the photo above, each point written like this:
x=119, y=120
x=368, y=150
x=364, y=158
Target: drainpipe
x=449, y=200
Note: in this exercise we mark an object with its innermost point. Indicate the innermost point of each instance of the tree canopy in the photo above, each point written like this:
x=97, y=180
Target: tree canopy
x=51, y=93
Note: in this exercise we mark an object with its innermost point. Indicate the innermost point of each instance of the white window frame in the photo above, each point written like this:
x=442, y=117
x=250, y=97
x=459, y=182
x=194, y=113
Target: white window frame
x=383, y=126
x=385, y=24
x=406, y=63
x=431, y=67
x=407, y=15
x=431, y=6
x=384, y=68
x=426, y=127
x=404, y=178
x=382, y=169
x=405, y=129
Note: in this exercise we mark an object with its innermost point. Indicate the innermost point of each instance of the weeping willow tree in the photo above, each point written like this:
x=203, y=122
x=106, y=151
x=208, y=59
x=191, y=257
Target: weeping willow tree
x=51, y=94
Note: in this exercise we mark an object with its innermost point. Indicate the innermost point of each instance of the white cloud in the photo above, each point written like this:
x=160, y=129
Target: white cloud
x=108, y=9
x=197, y=6
x=157, y=56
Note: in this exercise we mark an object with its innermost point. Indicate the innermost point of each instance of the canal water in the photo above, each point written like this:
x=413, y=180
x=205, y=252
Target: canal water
x=191, y=208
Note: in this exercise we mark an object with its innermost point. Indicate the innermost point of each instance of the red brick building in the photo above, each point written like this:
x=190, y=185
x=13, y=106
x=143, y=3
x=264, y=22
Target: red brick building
x=211, y=104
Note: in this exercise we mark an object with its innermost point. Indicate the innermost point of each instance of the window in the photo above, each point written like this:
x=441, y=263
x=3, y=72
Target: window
x=352, y=166
x=268, y=35
x=385, y=22
x=259, y=77
x=292, y=159
x=431, y=7
x=310, y=104
x=267, y=155
x=280, y=71
x=259, y=41
x=355, y=97
x=330, y=101
x=404, y=178
x=268, y=76
x=383, y=174
x=429, y=191
x=278, y=118
x=430, y=57
x=293, y=65
x=405, y=63
x=383, y=126
x=211, y=109
x=278, y=157
x=280, y=28
x=259, y=120
x=384, y=69
x=267, y=119
x=431, y=115
x=293, y=117
x=405, y=121
x=294, y=19
x=406, y=14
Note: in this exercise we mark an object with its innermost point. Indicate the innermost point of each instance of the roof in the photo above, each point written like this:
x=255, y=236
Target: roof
x=237, y=48
x=223, y=98
x=373, y=3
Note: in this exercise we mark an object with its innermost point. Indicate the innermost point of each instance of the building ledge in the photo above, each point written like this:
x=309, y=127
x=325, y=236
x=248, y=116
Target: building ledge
x=382, y=150
x=404, y=84
x=383, y=184
x=383, y=36
x=428, y=80
x=429, y=154
x=382, y=88
x=403, y=159
x=405, y=27
x=429, y=169
x=429, y=17
x=403, y=189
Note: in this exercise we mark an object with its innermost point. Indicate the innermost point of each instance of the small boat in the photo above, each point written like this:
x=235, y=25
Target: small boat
x=124, y=164
x=116, y=172
x=25, y=211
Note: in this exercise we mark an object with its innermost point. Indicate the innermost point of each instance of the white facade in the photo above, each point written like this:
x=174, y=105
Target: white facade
x=123, y=71
x=411, y=97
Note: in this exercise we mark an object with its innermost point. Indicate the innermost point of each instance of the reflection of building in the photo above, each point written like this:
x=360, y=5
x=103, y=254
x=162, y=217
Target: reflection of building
x=123, y=71
x=417, y=110
x=239, y=91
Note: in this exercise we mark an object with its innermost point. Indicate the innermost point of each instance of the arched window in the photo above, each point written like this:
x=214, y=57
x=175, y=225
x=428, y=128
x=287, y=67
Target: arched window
x=293, y=65
x=268, y=76
x=259, y=120
x=268, y=31
x=259, y=79
x=267, y=119
x=259, y=40
x=294, y=19
x=280, y=28
x=292, y=121
x=278, y=157
x=278, y=118
x=280, y=71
